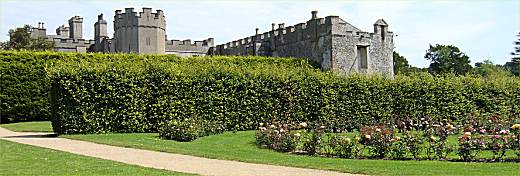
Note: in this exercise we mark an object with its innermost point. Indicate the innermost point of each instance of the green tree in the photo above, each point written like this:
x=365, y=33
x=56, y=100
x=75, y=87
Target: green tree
x=488, y=69
x=516, y=52
x=514, y=65
x=400, y=64
x=447, y=59
x=20, y=38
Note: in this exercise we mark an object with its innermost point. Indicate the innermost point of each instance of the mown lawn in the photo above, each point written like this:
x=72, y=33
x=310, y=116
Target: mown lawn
x=241, y=146
x=21, y=159
x=38, y=126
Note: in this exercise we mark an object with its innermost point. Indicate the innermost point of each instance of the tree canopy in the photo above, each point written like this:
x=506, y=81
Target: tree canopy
x=489, y=69
x=447, y=59
x=516, y=51
x=514, y=65
x=400, y=63
x=20, y=38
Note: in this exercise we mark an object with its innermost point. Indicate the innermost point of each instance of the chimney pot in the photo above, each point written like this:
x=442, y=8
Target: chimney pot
x=314, y=14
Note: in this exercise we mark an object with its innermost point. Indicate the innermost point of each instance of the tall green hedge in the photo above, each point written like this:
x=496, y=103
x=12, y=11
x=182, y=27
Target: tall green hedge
x=96, y=93
x=140, y=95
x=23, y=87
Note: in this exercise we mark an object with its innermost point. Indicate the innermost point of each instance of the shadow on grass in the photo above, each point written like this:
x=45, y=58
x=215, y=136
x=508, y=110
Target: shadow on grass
x=34, y=136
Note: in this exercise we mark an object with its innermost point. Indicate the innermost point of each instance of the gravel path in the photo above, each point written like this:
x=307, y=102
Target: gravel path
x=158, y=160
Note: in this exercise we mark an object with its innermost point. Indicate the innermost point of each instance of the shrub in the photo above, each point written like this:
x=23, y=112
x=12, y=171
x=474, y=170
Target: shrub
x=515, y=140
x=378, y=139
x=345, y=147
x=24, y=89
x=313, y=140
x=413, y=143
x=398, y=148
x=189, y=129
x=382, y=142
x=276, y=136
x=469, y=146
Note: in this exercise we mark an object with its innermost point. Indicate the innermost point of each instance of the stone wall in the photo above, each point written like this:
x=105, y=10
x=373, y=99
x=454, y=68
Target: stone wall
x=331, y=42
x=72, y=45
x=186, y=48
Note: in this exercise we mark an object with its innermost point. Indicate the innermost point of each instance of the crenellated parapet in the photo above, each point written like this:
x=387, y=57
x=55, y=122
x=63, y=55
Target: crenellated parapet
x=143, y=32
x=204, y=43
x=331, y=41
x=146, y=18
x=73, y=41
x=311, y=30
x=189, y=48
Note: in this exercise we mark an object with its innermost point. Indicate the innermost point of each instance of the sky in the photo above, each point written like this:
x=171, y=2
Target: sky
x=483, y=29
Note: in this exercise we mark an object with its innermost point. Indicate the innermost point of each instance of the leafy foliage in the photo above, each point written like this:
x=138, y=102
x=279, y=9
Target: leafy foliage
x=424, y=139
x=277, y=137
x=20, y=38
x=98, y=93
x=488, y=69
x=24, y=89
x=189, y=129
x=514, y=65
x=401, y=65
x=516, y=52
x=447, y=59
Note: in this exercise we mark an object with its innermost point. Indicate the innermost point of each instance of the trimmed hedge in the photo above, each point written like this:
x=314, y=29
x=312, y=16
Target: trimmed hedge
x=24, y=89
x=97, y=93
x=141, y=95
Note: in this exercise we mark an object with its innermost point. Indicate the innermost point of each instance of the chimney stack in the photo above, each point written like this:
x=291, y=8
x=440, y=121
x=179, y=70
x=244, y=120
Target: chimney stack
x=314, y=14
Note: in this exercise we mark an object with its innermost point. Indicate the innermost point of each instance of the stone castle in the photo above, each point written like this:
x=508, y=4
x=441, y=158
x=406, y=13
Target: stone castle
x=331, y=42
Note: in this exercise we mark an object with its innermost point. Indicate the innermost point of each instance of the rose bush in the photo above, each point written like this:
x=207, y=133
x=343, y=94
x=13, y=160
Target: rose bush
x=423, y=138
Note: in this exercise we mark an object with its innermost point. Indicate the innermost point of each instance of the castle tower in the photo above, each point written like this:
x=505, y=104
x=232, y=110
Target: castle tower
x=100, y=28
x=76, y=27
x=62, y=31
x=143, y=33
x=100, y=33
x=384, y=46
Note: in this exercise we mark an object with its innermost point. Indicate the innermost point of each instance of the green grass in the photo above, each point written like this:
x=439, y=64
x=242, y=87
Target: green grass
x=241, y=146
x=21, y=159
x=39, y=126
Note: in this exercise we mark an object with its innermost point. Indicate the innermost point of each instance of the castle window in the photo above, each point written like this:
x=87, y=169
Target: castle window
x=148, y=41
x=362, y=56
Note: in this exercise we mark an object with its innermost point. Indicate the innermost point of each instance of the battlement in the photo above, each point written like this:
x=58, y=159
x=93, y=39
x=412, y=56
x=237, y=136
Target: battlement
x=62, y=31
x=146, y=18
x=77, y=19
x=187, y=48
x=62, y=41
x=204, y=43
x=311, y=30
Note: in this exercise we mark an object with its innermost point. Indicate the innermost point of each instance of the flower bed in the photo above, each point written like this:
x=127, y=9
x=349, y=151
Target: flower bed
x=488, y=139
